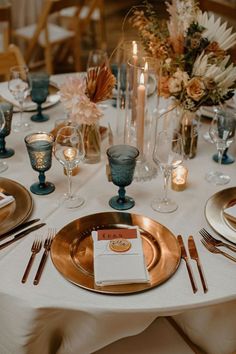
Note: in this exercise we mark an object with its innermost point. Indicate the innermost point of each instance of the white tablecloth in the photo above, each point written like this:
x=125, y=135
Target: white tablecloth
x=59, y=317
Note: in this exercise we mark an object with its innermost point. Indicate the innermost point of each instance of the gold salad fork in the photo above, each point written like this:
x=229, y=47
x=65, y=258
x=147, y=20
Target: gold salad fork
x=36, y=247
x=47, y=246
x=215, y=242
x=214, y=249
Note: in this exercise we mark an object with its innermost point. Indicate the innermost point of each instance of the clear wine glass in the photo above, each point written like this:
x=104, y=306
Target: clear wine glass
x=19, y=87
x=221, y=131
x=167, y=154
x=3, y=164
x=69, y=151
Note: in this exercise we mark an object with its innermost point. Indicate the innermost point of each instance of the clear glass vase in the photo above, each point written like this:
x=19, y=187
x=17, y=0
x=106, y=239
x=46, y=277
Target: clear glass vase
x=92, y=142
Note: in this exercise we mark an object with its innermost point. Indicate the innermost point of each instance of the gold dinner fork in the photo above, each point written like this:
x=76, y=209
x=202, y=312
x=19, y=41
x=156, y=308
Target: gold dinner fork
x=215, y=242
x=36, y=247
x=214, y=249
x=47, y=246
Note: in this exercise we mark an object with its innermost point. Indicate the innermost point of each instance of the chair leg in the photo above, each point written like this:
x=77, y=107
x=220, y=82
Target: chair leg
x=48, y=60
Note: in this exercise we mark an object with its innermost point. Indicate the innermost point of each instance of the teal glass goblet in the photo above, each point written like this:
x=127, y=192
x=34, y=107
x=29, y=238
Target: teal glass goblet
x=39, y=147
x=39, y=92
x=122, y=162
x=7, y=109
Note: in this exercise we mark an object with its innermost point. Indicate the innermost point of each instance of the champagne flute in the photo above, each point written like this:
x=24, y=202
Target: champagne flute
x=3, y=165
x=221, y=131
x=18, y=85
x=69, y=151
x=167, y=154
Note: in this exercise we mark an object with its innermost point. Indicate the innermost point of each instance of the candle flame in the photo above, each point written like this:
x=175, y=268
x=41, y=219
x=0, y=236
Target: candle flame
x=70, y=154
x=142, y=79
x=135, y=48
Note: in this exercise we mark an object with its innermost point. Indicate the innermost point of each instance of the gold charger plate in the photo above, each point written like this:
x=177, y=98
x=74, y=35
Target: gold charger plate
x=72, y=250
x=214, y=212
x=18, y=211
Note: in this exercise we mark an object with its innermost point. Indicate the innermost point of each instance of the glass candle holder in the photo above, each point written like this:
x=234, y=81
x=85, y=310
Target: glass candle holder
x=7, y=109
x=139, y=121
x=39, y=147
x=179, y=178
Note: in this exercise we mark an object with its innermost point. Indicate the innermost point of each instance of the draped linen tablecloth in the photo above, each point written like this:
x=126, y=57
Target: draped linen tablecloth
x=59, y=317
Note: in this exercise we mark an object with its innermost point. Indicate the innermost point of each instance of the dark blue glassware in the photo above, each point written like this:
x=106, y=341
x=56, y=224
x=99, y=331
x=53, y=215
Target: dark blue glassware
x=39, y=147
x=122, y=162
x=39, y=92
x=7, y=109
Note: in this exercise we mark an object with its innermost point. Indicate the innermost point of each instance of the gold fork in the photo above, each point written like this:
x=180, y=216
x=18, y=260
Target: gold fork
x=47, y=246
x=214, y=249
x=36, y=247
x=216, y=242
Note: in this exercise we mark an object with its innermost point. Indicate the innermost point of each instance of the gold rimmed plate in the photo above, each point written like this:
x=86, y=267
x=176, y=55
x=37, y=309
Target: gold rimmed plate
x=19, y=210
x=214, y=211
x=72, y=250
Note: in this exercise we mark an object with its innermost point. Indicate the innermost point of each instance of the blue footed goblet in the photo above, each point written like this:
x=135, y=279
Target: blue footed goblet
x=39, y=147
x=7, y=109
x=39, y=93
x=122, y=162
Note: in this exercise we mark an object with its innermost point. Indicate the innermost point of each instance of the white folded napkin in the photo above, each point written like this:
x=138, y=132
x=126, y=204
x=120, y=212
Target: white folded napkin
x=5, y=199
x=112, y=267
x=230, y=213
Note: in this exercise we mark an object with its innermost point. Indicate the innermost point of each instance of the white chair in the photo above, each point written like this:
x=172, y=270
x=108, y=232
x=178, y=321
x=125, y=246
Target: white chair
x=49, y=36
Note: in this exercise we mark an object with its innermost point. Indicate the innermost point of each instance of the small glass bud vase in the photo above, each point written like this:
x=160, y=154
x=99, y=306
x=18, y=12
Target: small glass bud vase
x=92, y=142
x=7, y=109
x=140, y=124
x=188, y=129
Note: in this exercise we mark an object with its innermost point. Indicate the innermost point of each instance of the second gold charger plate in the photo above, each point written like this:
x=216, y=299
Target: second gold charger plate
x=72, y=250
x=214, y=211
x=18, y=211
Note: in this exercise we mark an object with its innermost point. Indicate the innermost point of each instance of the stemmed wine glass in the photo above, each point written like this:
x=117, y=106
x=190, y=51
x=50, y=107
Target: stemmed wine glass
x=39, y=93
x=122, y=161
x=18, y=85
x=3, y=165
x=221, y=131
x=167, y=154
x=69, y=151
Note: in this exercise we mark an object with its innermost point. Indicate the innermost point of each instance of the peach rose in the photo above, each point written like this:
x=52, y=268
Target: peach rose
x=195, y=89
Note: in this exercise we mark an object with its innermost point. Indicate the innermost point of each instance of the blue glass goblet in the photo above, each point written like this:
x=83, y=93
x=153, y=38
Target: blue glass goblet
x=122, y=162
x=39, y=147
x=39, y=93
x=7, y=109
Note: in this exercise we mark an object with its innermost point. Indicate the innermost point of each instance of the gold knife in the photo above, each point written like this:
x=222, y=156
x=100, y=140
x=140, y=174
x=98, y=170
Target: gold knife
x=194, y=255
x=185, y=257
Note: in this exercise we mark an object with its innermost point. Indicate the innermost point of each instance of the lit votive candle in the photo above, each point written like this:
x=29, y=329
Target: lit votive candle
x=179, y=178
x=70, y=154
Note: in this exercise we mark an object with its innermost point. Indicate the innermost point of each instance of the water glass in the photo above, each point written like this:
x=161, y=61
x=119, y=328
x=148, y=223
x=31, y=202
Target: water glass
x=39, y=93
x=7, y=109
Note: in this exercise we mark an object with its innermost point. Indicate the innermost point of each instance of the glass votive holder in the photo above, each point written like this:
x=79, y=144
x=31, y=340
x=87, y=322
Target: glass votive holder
x=179, y=178
x=7, y=109
x=39, y=147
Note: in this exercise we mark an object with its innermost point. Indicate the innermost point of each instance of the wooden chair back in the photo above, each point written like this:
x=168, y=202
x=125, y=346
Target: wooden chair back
x=11, y=57
x=52, y=7
x=6, y=22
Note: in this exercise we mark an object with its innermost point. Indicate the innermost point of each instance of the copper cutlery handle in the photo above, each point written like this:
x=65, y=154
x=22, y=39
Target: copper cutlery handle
x=228, y=256
x=191, y=276
x=230, y=247
x=205, y=289
x=27, y=270
x=41, y=267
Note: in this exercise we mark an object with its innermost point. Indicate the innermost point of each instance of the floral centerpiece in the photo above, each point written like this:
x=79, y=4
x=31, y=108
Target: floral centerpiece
x=80, y=96
x=192, y=49
x=194, y=64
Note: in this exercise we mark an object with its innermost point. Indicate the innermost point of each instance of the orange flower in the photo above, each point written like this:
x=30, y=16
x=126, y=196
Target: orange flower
x=195, y=89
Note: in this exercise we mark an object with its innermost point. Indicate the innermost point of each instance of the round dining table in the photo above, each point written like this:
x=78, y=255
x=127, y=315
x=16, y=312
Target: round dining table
x=58, y=316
